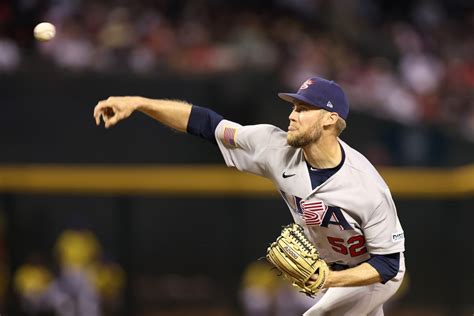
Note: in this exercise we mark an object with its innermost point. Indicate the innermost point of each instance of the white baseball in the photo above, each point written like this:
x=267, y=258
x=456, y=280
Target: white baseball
x=44, y=31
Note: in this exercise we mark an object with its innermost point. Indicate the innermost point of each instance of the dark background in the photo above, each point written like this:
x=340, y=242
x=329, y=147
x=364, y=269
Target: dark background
x=50, y=121
x=201, y=245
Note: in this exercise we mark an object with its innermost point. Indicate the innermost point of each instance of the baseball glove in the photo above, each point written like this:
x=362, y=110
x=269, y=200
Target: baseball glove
x=296, y=257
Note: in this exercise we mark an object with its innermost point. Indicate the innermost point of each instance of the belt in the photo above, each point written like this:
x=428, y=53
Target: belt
x=338, y=266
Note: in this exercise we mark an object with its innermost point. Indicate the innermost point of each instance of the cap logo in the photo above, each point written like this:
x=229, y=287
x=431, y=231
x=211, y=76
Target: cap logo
x=306, y=84
x=320, y=93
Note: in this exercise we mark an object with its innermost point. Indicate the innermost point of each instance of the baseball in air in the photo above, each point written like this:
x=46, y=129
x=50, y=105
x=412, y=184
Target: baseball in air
x=44, y=31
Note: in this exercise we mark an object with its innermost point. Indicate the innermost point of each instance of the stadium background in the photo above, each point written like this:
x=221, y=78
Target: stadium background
x=152, y=217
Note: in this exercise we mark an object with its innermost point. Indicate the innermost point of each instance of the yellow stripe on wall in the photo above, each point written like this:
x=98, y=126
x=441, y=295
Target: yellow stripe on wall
x=416, y=182
x=206, y=180
x=162, y=179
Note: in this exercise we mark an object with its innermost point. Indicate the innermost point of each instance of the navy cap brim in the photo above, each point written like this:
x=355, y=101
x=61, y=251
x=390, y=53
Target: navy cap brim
x=294, y=97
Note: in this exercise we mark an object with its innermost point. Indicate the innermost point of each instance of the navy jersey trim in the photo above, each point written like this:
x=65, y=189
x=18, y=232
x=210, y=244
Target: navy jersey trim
x=319, y=176
x=203, y=123
x=386, y=265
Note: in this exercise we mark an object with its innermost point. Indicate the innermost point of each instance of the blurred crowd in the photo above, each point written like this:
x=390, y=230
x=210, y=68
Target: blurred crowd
x=81, y=282
x=410, y=61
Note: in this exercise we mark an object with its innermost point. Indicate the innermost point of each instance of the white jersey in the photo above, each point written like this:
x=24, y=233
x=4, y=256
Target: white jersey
x=348, y=217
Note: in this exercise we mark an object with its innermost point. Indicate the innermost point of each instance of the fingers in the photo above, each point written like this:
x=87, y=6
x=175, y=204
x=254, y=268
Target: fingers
x=97, y=119
x=111, y=120
x=312, y=279
x=112, y=110
x=107, y=111
x=99, y=111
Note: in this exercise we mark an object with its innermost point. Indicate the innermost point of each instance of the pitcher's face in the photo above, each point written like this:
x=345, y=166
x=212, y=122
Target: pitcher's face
x=305, y=125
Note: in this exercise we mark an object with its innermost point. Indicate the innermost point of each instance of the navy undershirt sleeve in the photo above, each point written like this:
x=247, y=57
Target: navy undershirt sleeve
x=203, y=123
x=386, y=265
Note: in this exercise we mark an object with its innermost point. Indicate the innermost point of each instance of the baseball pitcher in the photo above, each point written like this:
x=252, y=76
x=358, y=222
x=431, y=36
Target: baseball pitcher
x=346, y=244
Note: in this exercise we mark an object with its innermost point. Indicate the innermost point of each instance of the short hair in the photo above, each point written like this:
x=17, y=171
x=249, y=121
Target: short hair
x=340, y=126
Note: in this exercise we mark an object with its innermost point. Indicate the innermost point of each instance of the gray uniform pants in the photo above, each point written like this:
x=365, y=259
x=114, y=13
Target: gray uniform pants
x=356, y=301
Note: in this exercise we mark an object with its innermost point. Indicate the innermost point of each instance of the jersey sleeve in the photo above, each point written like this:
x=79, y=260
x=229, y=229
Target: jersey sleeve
x=386, y=265
x=245, y=147
x=203, y=123
x=383, y=232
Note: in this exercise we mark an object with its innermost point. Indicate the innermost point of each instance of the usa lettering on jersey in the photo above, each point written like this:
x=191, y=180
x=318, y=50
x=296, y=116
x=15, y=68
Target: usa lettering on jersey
x=313, y=212
x=317, y=213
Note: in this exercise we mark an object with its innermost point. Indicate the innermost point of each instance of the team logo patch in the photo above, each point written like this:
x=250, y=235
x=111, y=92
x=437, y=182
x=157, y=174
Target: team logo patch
x=229, y=136
x=307, y=83
x=313, y=212
x=397, y=237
